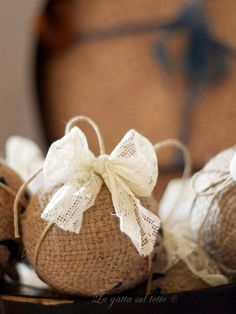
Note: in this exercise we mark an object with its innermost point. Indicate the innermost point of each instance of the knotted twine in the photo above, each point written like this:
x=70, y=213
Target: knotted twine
x=140, y=142
x=213, y=219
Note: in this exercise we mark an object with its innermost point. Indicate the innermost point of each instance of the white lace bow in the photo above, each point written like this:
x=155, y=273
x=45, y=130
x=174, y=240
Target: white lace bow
x=129, y=171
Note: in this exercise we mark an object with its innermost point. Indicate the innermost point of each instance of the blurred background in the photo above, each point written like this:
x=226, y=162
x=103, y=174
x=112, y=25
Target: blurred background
x=166, y=68
x=18, y=112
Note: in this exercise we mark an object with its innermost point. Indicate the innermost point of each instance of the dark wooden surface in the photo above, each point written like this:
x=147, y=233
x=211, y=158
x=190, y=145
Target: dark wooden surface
x=212, y=300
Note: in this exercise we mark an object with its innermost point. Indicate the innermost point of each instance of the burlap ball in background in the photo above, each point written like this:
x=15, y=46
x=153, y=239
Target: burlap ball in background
x=9, y=247
x=214, y=224
x=100, y=259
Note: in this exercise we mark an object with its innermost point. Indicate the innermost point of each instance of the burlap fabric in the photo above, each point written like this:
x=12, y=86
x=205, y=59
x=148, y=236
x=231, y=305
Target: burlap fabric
x=213, y=221
x=100, y=259
x=177, y=278
x=9, y=247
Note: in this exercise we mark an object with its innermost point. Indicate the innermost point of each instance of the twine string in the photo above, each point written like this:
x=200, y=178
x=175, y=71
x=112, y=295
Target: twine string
x=72, y=122
x=11, y=192
x=186, y=174
x=17, y=200
x=40, y=241
x=187, y=164
x=186, y=155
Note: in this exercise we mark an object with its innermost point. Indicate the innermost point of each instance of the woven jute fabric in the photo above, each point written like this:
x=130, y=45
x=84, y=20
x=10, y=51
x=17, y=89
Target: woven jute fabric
x=214, y=222
x=100, y=259
x=218, y=233
x=11, y=180
x=177, y=278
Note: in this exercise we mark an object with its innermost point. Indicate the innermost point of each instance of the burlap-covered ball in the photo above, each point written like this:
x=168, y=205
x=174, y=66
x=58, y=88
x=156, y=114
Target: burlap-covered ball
x=213, y=218
x=100, y=259
x=9, y=247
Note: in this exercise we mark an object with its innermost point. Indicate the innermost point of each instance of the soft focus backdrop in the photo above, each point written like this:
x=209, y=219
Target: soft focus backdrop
x=18, y=113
